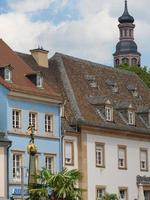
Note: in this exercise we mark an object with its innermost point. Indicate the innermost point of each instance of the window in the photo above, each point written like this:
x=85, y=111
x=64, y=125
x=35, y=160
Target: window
x=39, y=80
x=69, y=151
x=117, y=62
x=49, y=163
x=144, y=159
x=48, y=123
x=109, y=113
x=16, y=119
x=8, y=74
x=123, y=193
x=100, y=161
x=100, y=191
x=17, y=163
x=131, y=118
x=122, y=157
x=125, y=61
x=134, y=61
x=33, y=120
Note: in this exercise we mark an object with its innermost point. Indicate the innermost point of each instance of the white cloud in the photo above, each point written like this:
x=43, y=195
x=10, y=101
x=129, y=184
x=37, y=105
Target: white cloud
x=29, y=5
x=93, y=37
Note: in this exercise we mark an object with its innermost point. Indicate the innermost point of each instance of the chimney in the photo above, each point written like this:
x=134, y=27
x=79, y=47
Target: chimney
x=41, y=56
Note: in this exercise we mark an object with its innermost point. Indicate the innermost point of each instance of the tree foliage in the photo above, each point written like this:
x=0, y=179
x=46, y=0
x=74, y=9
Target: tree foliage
x=60, y=186
x=142, y=72
x=108, y=196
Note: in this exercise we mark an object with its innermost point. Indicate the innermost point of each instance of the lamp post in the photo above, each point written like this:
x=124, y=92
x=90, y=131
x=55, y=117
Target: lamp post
x=32, y=150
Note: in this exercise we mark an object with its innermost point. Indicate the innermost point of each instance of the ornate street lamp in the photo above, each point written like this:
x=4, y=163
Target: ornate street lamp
x=32, y=150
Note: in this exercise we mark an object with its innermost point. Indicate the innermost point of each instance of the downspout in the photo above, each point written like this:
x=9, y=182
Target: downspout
x=10, y=143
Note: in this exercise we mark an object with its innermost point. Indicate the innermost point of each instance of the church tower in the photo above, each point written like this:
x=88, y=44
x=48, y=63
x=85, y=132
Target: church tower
x=126, y=48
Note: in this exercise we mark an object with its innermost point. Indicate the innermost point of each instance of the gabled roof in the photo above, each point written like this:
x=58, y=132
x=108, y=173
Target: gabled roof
x=82, y=99
x=20, y=82
x=72, y=77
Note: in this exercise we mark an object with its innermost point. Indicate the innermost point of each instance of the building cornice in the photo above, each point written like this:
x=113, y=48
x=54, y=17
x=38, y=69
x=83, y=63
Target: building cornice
x=34, y=98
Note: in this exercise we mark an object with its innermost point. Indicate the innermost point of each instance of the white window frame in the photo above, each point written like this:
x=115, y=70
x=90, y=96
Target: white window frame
x=7, y=74
x=39, y=81
x=109, y=113
x=144, y=161
x=69, y=160
x=100, y=191
x=48, y=165
x=48, y=123
x=100, y=154
x=131, y=117
x=16, y=119
x=122, y=160
x=33, y=120
x=17, y=166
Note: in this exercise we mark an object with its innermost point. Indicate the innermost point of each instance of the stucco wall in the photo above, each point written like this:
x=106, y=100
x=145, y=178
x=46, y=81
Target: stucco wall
x=111, y=176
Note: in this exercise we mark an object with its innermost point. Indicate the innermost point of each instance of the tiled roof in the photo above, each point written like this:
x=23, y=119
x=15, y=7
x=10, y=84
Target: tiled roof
x=85, y=86
x=19, y=70
x=83, y=98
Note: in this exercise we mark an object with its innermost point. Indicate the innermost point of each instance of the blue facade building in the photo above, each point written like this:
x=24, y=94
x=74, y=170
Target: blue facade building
x=27, y=99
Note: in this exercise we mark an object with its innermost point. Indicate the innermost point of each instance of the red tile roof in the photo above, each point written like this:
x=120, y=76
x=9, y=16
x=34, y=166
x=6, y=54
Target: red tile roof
x=19, y=80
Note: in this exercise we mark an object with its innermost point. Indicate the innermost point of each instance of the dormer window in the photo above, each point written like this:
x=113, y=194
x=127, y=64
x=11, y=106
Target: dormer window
x=36, y=78
x=39, y=81
x=109, y=113
x=7, y=74
x=131, y=118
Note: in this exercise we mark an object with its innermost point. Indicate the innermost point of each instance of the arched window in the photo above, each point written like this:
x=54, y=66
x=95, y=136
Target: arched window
x=125, y=61
x=134, y=61
x=117, y=62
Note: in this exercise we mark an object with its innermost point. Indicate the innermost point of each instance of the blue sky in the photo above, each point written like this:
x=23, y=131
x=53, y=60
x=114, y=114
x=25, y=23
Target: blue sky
x=81, y=28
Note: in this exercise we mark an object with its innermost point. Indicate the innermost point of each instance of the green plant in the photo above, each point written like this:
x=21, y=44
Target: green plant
x=142, y=72
x=108, y=196
x=60, y=186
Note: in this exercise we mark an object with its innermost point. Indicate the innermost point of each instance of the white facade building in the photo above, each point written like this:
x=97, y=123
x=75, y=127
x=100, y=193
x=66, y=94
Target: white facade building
x=111, y=177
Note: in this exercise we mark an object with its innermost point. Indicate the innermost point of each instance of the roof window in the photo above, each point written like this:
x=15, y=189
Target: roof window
x=8, y=74
x=39, y=80
x=91, y=80
x=109, y=113
x=113, y=85
x=133, y=90
x=131, y=117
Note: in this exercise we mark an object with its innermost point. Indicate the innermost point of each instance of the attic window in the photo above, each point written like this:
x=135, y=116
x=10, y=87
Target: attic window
x=133, y=90
x=109, y=113
x=39, y=81
x=113, y=85
x=7, y=74
x=91, y=80
x=131, y=118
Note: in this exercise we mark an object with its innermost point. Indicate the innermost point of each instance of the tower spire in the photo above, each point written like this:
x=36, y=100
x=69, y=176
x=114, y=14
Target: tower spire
x=126, y=48
x=126, y=5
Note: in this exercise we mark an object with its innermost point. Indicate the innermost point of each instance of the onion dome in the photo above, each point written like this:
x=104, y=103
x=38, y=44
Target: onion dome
x=126, y=17
x=126, y=47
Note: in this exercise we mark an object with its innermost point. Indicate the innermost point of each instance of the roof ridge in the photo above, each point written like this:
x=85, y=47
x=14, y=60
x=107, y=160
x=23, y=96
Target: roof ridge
x=95, y=64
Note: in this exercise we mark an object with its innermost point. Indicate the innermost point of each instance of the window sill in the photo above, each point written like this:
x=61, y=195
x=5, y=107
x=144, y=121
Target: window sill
x=122, y=168
x=69, y=164
x=37, y=135
x=144, y=170
x=100, y=166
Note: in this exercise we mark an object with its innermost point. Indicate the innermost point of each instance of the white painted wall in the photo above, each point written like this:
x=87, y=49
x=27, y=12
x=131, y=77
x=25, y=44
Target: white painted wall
x=2, y=172
x=111, y=176
x=74, y=139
